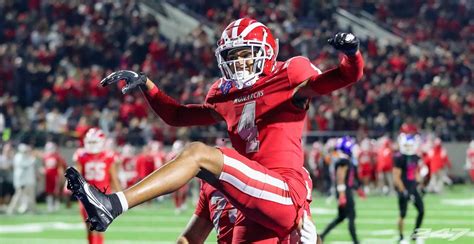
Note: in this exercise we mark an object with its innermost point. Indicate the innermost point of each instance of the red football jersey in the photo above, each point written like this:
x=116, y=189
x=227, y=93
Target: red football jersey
x=212, y=205
x=438, y=159
x=385, y=159
x=144, y=165
x=365, y=157
x=263, y=123
x=52, y=162
x=95, y=167
x=130, y=171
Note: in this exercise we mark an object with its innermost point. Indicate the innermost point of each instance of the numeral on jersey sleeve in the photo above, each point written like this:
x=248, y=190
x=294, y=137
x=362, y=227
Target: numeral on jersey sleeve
x=247, y=128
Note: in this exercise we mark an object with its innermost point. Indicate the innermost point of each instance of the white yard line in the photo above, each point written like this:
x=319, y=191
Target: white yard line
x=47, y=226
x=459, y=202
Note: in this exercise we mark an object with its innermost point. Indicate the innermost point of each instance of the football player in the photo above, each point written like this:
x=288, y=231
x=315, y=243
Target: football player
x=384, y=166
x=145, y=163
x=438, y=160
x=346, y=174
x=214, y=210
x=264, y=104
x=180, y=195
x=470, y=160
x=128, y=166
x=54, y=166
x=97, y=166
x=366, y=165
x=405, y=176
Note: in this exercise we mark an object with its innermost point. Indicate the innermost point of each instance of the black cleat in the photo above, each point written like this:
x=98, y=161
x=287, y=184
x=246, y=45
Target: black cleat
x=97, y=204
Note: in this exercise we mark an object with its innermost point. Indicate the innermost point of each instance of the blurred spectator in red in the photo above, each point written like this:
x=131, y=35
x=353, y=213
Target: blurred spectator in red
x=438, y=161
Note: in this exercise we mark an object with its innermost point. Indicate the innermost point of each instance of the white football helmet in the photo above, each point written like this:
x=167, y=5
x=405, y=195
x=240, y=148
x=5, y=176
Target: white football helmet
x=409, y=144
x=50, y=147
x=248, y=34
x=94, y=141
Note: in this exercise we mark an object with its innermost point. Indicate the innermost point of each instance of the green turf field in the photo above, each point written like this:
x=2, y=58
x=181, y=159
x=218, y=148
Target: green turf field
x=449, y=216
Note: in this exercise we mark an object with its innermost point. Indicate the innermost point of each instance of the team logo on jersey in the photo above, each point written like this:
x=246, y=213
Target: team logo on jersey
x=226, y=86
x=251, y=96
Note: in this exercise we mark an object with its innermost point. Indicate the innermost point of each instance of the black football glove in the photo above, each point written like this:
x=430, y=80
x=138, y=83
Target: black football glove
x=405, y=195
x=345, y=42
x=132, y=79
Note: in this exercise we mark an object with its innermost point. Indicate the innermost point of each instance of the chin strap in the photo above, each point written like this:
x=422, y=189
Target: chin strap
x=246, y=83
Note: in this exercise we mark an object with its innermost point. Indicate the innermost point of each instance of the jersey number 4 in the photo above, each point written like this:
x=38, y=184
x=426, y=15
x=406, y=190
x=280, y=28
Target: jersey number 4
x=95, y=171
x=247, y=128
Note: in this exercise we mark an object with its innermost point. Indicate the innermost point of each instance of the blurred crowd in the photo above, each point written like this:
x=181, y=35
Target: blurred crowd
x=53, y=53
x=374, y=160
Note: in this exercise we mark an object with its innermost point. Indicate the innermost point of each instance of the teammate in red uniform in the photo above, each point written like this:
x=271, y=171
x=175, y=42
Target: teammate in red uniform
x=54, y=166
x=366, y=164
x=128, y=163
x=98, y=168
x=156, y=151
x=181, y=194
x=145, y=163
x=470, y=160
x=264, y=104
x=437, y=160
x=213, y=210
x=384, y=166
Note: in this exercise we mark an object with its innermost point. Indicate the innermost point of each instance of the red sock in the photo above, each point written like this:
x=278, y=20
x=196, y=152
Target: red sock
x=89, y=238
x=98, y=238
x=183, y=198
x=176, y=200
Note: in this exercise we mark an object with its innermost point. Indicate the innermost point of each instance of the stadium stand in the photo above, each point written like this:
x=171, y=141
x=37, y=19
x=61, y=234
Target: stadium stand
x=53, y=54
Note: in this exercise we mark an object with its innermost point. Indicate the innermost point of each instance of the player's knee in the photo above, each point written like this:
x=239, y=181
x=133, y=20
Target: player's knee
x=195, y=151
x=201, y=154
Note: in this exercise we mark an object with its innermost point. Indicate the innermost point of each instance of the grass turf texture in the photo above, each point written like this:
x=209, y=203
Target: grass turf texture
x=376, y=221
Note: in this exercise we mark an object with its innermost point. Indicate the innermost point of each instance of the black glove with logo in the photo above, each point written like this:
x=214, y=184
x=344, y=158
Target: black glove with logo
x=405, y=195
x=347, y=43
x=132, y=79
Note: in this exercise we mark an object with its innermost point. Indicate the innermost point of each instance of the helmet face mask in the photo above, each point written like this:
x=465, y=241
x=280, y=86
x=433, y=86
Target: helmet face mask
x=94, y=141
x=408, y=144
x=246, y=34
